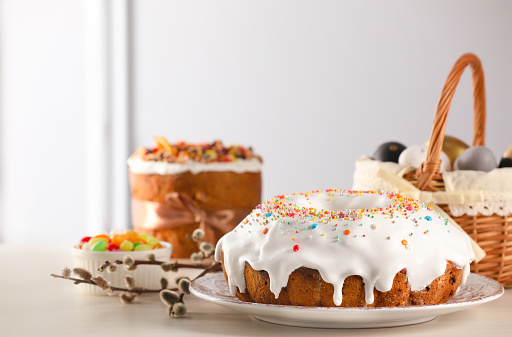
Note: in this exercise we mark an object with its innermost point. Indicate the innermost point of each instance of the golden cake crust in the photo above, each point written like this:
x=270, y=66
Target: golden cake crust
x=307, y=288
x=211, y=191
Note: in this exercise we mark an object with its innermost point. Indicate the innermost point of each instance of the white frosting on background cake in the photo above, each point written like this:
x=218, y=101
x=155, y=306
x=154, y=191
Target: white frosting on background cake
x=343, y=233
x=140, y=166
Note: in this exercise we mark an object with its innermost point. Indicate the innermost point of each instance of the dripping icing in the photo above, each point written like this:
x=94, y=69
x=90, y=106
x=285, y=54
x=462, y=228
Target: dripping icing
x=334, y=235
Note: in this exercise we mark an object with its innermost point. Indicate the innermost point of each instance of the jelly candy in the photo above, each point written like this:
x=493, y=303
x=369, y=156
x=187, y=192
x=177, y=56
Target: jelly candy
x=126, y=246
x=142, y=247
x=153, y=241
x=112, y=246
x=85, y=239
x=104, y=236
x=95, y=239
x=145, y=237
x=119, y=240
x=132, y=235
x=99, y=246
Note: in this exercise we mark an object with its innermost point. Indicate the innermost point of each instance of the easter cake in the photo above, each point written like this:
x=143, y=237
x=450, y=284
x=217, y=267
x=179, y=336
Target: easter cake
x=344, y=248
x=179, y=187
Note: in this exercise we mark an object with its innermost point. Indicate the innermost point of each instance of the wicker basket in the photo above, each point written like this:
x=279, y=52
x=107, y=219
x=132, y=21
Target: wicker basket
x=492, y=233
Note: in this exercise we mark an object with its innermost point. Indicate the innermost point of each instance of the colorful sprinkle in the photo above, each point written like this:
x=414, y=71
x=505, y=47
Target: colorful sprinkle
x=265, y=230
x=296, y=248
x=428, y=217
x=347, y=231
x=313, y=226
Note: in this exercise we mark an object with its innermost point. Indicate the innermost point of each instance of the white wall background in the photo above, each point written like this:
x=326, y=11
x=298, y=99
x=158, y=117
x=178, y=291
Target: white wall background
x=311, y=85
x=42, y=135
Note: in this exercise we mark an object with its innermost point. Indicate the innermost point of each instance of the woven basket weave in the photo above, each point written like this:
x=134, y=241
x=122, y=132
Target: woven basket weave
x=492, y=233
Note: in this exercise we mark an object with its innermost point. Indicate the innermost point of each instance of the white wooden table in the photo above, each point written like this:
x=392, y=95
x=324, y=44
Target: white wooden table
x=34, y=304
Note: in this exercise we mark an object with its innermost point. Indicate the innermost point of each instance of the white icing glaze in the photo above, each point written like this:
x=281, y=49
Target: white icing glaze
x=371, y=234
x=140, y=166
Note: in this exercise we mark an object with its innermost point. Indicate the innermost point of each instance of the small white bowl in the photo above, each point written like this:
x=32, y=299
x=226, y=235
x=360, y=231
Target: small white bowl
x=146, y=276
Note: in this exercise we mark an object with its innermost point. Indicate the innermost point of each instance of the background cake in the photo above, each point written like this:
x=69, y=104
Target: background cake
x=348, y=248
x=179, y=187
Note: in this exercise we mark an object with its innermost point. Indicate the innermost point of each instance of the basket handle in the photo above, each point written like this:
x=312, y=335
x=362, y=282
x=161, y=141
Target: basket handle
x=433, y=162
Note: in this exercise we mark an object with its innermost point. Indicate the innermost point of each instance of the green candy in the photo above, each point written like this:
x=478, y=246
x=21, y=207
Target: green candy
x=99, y=246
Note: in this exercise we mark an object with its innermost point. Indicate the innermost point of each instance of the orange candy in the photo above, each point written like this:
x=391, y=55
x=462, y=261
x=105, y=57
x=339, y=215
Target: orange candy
x=102, y=236
x=132, y=235
x=118, y=239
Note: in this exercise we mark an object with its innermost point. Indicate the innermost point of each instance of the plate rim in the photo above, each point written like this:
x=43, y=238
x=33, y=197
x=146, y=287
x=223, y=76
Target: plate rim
x=427, y=307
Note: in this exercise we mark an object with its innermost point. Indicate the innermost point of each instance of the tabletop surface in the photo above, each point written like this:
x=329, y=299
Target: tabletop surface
x=34, y=304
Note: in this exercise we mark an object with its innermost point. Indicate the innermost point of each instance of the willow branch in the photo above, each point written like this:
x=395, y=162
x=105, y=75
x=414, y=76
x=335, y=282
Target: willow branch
x=133, y=290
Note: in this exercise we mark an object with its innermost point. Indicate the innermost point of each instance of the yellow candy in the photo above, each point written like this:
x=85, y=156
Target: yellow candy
x=142, y=247
x=152, y=241
x=145, y=237
x=96, y=239
x=126, y=246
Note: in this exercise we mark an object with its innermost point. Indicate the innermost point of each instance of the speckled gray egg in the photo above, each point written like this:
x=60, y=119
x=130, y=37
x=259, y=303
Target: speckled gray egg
x=476, y=158
x=389, y=151
x=415, y=156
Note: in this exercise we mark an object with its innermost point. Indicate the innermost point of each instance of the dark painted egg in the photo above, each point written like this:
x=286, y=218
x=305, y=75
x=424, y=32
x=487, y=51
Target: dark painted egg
x=389, y=151
x=506, y=160
x=476, y=158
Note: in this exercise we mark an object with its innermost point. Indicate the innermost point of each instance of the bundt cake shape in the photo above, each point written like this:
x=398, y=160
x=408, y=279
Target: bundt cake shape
x=348, y=248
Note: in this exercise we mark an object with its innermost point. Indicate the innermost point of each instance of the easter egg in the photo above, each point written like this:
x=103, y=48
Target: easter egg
x=476, y=158
x=506, y=159
x=453, y=147
x=389, y=151
x=415, y=156
x=505, y=162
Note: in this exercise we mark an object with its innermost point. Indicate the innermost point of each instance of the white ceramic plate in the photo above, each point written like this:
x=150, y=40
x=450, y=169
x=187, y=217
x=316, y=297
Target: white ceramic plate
x=477, y=290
